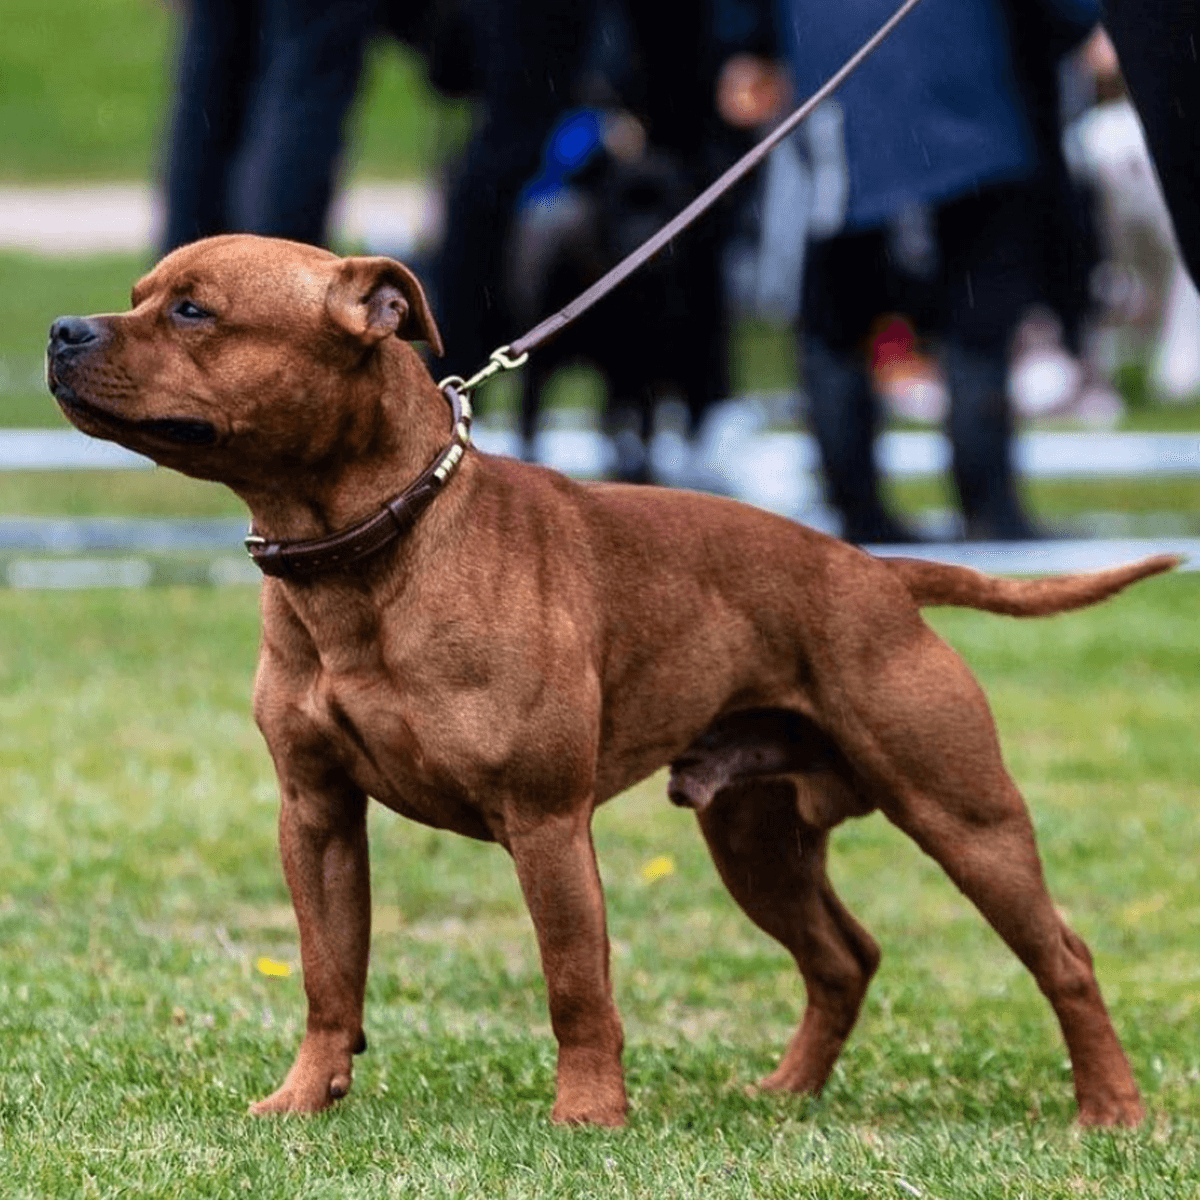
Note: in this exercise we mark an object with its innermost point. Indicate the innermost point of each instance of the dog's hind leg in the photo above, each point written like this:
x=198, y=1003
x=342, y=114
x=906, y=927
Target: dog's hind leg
x=773, y=863
x=923, y=732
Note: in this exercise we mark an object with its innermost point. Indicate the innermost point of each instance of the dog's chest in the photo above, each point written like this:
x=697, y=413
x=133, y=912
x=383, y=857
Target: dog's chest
x=386, y=743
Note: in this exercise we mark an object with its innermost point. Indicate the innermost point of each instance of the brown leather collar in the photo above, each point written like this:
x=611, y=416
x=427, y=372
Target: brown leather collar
x=304, y=558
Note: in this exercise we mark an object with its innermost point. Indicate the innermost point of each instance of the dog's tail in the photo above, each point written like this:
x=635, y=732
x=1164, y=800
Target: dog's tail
x=941, y=584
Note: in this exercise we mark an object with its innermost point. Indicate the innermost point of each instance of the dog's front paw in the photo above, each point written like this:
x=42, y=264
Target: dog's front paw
x=589, y=1100
x=588, y=1112
x=1106, y=1112
x=290, y=1099
x=319, y=1076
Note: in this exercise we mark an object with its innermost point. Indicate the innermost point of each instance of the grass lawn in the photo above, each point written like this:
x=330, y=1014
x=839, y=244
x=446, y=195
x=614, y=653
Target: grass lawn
x=139, y=887
x=86, y=88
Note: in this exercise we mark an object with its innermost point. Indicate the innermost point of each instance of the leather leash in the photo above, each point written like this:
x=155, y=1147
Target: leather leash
x=543, y=332
x=304, y=558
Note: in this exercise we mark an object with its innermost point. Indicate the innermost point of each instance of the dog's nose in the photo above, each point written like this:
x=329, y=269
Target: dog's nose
x=71, y=331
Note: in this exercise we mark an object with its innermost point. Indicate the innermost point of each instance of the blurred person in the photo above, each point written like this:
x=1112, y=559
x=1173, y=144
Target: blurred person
x=1153, y=308
x=531, y=59
x=942, y=222
x=1054, y=369
x=663, y=333
x=1158, y=43
x=263, y=90
x=604, y=188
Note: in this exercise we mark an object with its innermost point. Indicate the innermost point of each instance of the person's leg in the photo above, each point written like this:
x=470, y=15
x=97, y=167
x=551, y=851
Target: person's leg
x=679, y=85
x=1158, y=44
x=531, y=52
x=844, y=288
x=992, y=265
x=314, y=58
x=218, y=58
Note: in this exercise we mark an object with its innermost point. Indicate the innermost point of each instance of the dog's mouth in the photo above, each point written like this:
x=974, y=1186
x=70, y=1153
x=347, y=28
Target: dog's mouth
x=100, y=422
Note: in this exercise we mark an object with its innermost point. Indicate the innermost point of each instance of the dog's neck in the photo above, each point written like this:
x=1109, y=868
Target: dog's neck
x=396, y=428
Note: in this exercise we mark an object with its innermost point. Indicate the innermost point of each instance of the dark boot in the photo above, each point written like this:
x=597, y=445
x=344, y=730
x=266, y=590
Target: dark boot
x=844, y=418
x=981, y=430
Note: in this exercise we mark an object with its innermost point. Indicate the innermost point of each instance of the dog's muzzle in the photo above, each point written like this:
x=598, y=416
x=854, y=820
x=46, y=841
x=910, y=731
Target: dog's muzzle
x=68, y=334
x=70, y=338
x=73, y=339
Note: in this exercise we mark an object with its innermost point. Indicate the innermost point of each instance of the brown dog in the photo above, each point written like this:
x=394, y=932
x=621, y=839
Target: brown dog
x=530, y=648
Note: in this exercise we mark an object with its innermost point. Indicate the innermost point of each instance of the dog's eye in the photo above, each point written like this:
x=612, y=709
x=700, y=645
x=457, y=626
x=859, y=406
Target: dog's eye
x=191, y=312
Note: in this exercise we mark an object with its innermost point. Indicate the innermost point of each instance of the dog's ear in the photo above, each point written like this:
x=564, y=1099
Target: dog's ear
x=373, y=298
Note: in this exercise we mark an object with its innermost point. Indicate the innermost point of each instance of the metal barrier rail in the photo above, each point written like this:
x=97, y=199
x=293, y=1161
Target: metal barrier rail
x=770, y=467
x=1067, y=454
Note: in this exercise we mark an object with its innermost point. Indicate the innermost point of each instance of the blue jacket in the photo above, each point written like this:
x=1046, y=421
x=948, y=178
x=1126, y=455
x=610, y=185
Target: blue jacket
x=937, y=111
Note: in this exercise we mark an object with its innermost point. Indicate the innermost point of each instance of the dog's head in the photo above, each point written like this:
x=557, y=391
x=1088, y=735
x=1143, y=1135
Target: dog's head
x=240, y=350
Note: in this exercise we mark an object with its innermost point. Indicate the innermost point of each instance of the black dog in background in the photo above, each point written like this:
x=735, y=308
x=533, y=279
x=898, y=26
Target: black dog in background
x=664, y=333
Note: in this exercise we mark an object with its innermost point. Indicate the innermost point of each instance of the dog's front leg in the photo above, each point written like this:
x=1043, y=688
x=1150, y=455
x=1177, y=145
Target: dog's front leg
x=556, y=864
x=323, y=844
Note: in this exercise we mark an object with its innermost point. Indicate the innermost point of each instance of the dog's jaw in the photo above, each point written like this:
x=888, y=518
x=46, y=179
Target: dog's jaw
x=138, y=434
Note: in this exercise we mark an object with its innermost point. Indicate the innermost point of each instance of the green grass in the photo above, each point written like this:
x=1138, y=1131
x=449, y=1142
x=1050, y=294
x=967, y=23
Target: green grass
x=33, y=292
x=139, y=885
x=83, y=88
x=86, y=89
x=148, y=493
x=1139, y=507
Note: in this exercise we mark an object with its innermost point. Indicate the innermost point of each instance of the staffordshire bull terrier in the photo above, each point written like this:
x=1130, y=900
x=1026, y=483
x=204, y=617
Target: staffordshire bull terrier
x=488, y=647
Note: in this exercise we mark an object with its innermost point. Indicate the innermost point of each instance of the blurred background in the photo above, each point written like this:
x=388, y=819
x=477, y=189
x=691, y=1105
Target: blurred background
x=150, y=981
x=97, y=175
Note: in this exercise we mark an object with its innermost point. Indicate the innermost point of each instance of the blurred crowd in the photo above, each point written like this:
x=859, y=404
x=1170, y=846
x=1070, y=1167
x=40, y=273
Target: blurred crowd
x=969, y=234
